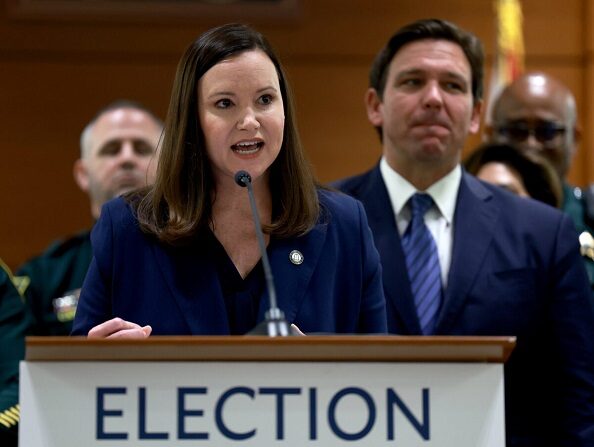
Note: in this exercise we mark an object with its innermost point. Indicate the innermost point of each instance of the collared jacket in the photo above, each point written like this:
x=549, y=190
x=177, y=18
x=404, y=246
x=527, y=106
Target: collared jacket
x=336, y=289
x=516, y=270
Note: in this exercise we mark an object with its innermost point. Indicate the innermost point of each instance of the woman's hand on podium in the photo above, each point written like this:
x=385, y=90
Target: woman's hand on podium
x=118, y=328
x=296, y=330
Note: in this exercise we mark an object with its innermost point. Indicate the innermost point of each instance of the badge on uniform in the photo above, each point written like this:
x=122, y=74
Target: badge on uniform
x=65, y=306
x=587, y=245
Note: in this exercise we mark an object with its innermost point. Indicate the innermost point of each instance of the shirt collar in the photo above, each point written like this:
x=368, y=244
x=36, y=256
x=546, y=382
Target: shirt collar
x=444, y=192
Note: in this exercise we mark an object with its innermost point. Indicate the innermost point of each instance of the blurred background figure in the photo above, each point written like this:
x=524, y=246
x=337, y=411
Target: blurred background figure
x=14, y=326
x=506, y=166
x=538, y=114
x=118, y=153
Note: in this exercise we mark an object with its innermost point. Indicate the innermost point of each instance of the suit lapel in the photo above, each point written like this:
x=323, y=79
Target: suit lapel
x=292, y=280
x=192, y=280
x=475, y=222
x=380, y=214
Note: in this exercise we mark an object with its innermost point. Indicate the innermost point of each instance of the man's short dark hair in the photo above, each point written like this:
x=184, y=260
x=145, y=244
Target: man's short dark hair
x=430, y=29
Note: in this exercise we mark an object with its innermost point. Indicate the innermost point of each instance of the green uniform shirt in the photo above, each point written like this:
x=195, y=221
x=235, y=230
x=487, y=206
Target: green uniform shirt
x=14, y=325
x=574, y=205
x=55, y=278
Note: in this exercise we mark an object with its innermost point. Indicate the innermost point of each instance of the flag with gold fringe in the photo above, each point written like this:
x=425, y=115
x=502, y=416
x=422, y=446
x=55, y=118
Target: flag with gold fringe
x=508, y=62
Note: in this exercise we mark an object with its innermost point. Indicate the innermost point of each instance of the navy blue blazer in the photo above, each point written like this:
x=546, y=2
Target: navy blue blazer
x=337, y=288
x=515, y=270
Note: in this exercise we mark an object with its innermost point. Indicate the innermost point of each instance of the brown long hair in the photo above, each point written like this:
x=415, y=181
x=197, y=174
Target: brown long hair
x=179, y=204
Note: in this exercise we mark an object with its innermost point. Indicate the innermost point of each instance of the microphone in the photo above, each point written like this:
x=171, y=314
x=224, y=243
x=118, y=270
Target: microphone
x=274, y=323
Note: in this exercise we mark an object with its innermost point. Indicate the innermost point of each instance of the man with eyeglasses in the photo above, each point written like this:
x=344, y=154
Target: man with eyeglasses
x=537, y=114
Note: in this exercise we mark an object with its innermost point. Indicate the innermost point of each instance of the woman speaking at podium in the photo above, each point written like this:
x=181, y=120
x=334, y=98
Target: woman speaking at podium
x=182, y=257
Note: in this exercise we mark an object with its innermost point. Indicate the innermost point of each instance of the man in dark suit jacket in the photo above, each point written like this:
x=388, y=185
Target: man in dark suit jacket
x=507, y=265
x=538, y=114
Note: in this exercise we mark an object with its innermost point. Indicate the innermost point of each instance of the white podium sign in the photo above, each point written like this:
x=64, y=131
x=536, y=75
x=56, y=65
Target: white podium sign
x=261, y=403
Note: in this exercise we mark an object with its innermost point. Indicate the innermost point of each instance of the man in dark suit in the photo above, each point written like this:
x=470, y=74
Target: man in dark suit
x=461, y=257
x=537, y=113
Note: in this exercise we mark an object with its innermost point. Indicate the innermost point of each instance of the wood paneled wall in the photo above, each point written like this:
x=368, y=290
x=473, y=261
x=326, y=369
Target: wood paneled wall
x=55, y=72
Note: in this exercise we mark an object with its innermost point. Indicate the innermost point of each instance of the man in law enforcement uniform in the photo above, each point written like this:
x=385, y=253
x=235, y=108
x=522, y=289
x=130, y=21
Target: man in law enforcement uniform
x=118, y=154
x=538, y=114
x=14, y=325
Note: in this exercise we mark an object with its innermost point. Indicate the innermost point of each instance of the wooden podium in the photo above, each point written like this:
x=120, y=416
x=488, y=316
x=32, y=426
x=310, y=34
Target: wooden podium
x=258, y=391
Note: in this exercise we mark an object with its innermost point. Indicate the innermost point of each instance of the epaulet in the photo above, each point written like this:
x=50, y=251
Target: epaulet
x=9, y=418
x=588, y=198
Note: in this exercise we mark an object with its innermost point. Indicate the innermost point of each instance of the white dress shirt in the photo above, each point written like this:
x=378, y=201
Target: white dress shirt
x=440, y=217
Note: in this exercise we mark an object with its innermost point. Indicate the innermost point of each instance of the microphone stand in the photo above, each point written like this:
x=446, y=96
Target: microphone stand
x=274, y=323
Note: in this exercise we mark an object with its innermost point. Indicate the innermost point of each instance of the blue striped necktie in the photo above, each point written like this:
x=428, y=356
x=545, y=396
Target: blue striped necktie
x=422, y=262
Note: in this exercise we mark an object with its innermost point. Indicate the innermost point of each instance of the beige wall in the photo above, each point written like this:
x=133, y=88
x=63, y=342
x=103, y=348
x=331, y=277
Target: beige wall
x=56, y=71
